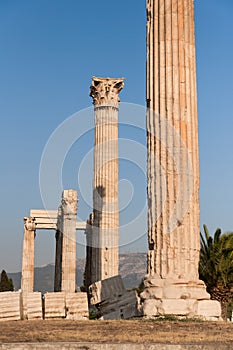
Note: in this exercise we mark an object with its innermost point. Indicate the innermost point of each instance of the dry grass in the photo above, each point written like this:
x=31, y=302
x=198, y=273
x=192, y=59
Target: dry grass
x=137, y=331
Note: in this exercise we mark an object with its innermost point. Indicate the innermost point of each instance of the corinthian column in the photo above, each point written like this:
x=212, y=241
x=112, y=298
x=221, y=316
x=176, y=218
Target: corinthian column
x=65, y=263
x=173, y=161
x=27, y=280
x=104, y=234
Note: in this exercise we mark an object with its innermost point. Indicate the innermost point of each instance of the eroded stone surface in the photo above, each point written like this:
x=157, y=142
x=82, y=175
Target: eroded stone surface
x=76, y=306
x=112, y=300
x=32, y=305
x=208, y=308
x=108, y=288
x=10, y=306
x=54, y=305
x=174, y=289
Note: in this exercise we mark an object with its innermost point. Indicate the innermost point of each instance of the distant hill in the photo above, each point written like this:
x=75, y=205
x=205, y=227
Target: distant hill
x=132, y=270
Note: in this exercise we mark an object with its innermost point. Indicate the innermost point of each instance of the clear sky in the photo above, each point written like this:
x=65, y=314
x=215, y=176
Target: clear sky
x=49, y=52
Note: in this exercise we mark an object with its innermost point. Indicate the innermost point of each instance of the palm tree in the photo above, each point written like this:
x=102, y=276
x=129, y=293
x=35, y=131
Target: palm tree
x=216, y=266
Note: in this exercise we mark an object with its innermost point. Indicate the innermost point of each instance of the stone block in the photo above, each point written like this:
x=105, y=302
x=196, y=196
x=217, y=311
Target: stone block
x=10, y=306
x=112, y=299
x=152, y=293
x=32, y=305
x=105, y=289
x=157, y=288
x=184, y=292
x=77, y=306
x=121, y=307
x=150, y=307
x=54, y=305
x=176, y=307
x=208, y=309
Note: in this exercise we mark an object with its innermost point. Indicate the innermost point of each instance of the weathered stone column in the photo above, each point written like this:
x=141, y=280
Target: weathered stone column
x=173, y=160
x=65, y=263
x=105, y=229
x=27, y=280
x=58, y=256
x=89, y=266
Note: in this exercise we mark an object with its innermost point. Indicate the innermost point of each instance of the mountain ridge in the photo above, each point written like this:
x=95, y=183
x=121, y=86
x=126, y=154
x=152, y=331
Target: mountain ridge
x=132, y=268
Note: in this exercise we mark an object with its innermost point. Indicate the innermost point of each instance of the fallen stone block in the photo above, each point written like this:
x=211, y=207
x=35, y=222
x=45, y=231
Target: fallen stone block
x=112, y=300
x=105, y=289
x=122, y=307
x=32, y=305
x=54, y=305
x=10, y=306
x=76, y=306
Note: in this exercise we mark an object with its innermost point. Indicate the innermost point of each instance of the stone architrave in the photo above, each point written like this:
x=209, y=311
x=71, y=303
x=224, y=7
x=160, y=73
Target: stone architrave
x=173, y=160
x=104, y=234
x=27, y=280
x=65, y=263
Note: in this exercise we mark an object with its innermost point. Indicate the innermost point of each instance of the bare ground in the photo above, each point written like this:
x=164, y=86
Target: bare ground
x=136, y=331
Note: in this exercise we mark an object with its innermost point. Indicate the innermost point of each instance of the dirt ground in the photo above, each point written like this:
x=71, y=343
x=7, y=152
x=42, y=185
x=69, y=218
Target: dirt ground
x=138, y=331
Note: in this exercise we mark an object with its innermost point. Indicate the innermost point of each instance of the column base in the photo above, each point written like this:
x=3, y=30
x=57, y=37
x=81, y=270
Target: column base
x=179, y=298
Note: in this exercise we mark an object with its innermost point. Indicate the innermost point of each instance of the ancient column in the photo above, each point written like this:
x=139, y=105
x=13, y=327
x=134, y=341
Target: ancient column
x=105, y=230
x=89, y=266
x=27, y=280
x=65, y=263
x=173, y=161
x=58, y=255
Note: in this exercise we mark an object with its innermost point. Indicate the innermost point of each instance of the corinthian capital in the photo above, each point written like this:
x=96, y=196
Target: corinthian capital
x=29, y=223
x=104, y=91
x=69, y=201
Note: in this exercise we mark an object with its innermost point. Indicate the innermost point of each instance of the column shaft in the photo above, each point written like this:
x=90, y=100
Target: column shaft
x=105, y=229
x=65, y=261
x=58, y=256
x=172, y=137
x=27, y=281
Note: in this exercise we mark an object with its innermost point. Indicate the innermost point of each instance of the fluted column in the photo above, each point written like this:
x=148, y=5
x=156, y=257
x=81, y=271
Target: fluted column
x=68, y=211
x=172, y=285
x=105, y=229
x=27, y=280
x=173, y=162
x=58, y=255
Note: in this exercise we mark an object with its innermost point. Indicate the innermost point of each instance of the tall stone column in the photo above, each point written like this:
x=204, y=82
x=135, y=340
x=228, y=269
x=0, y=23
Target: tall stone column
x=173, y=160
x=65, y=263
x=27, y=280
x=105, y=230
x=58, y=255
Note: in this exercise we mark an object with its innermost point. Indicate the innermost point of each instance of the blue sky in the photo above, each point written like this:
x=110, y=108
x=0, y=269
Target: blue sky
x=49, y=52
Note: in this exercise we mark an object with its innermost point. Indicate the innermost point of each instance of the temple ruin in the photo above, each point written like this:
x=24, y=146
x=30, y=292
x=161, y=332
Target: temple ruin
x=172, y=285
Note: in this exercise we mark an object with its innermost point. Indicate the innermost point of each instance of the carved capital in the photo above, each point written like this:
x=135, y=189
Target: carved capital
x=69, y=202
x=104, y=91
x=29, y=223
